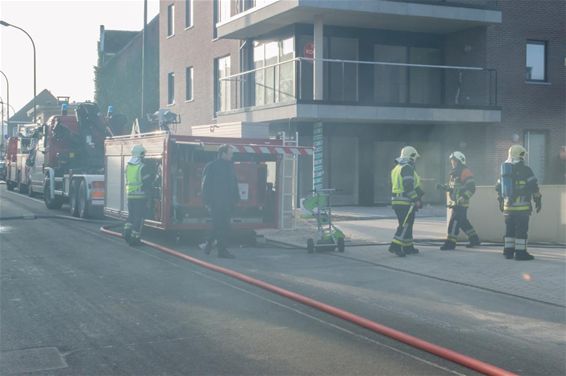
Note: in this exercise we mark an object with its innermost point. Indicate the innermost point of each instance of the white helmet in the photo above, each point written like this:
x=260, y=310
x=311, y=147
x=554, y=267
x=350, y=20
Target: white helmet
x=409, y=152
x=138, y=151
x=517, y=152
x=459, y=156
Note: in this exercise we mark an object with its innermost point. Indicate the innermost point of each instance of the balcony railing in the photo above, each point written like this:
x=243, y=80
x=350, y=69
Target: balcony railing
x=364, y=83
x=479, y=4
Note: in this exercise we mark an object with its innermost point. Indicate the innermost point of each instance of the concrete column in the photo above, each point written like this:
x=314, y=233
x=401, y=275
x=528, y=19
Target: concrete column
x=318, y=88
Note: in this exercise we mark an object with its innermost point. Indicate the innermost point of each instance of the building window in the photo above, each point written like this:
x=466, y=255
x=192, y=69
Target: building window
x=224, y=10
x=536, y=61
x=188, y=13
x=171, y=88
x=171, y=20
x=535, y=143
x=189, y=84
x=222, y=98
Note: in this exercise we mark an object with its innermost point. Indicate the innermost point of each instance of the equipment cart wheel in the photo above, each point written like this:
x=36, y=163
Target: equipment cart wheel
x=341, y=246
x=310, y=246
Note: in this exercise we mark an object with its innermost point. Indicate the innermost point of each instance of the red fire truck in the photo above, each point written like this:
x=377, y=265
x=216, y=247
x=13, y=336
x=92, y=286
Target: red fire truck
x=179, y=161
x=17, y=153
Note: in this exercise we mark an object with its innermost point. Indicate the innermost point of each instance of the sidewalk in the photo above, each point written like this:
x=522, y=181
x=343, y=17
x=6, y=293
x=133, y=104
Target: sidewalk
x=543, y=279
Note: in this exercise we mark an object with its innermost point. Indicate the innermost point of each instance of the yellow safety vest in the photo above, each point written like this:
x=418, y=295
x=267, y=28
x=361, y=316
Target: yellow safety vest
x=400, y=197
x=134, y=183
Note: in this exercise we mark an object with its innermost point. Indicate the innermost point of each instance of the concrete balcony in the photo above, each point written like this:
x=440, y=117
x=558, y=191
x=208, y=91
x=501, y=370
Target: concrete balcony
x=434, y=16
x=361, y=92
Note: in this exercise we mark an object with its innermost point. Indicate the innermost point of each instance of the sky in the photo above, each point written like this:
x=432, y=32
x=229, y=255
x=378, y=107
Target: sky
x=65, y=33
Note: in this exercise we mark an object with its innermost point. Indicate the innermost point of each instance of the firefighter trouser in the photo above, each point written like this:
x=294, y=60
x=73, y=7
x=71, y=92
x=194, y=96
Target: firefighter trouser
x=459, y=220
x=220, y=226
x=516, y=228
x=404, y=235
x=136, y=214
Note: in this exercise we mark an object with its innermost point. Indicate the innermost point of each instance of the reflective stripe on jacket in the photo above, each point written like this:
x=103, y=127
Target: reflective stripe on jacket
x=405, y=182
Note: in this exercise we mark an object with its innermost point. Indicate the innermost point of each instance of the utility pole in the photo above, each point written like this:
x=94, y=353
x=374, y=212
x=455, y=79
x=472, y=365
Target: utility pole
x=143, y=65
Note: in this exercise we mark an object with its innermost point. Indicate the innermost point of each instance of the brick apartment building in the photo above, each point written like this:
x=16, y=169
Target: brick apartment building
x=441, y=75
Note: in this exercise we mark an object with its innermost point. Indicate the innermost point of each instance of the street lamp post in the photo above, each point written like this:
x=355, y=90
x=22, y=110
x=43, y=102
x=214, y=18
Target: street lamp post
x=8, y=105
x=4, y=23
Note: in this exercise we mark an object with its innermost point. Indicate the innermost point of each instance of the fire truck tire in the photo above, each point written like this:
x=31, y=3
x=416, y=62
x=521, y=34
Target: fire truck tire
x=73, y=199
x=83, y=205
x=310, y=246
x=23, y=188
x=54, y=203
x=341, y=245
x=31, y=193
x=10, y=185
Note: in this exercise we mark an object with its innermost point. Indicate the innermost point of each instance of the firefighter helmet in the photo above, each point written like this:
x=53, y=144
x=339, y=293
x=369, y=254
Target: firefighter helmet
x=138, y=151
x=409, y=152
x=517, y=152
x=459, y=156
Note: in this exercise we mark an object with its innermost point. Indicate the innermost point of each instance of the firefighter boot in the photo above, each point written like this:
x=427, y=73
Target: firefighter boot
x=410, y=250
x=523, y=256
x=136, y=238
x=396, y=249
x=448, y=245
x=509, y=248
x=127, y=233
x=508, y=253
x=474, y=241
x=521, y=253
x=223, y=253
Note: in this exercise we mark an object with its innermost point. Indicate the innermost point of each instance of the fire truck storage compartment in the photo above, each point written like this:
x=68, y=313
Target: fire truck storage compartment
x=178, y=162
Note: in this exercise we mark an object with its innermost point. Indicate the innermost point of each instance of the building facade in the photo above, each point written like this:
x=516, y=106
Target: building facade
x=441, y=75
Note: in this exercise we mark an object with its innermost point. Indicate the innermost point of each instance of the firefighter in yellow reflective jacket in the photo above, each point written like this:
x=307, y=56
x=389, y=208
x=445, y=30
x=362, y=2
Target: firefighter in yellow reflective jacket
x=405, y=200
x=461, y=187
x=516, y=188
x=138, y=179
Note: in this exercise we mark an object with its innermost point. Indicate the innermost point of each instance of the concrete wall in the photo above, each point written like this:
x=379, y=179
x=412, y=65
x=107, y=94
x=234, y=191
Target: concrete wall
x=547, y=226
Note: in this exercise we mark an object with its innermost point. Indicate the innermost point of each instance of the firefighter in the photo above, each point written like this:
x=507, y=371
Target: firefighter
x=516, y=188
x=138, y=182
x=406, y=199
x=220, y=194
x=461, y=187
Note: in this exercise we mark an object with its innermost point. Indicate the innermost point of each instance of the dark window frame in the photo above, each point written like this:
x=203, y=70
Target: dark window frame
x=545, y=56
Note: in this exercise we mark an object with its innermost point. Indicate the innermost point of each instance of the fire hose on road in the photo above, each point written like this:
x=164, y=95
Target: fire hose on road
x=442, y=352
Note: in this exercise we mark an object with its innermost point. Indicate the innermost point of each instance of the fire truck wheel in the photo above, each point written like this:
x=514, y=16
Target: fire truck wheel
x=31, y=193
x=10, y=186
x=83, y=206
x=23, y=188
x=51, y=203
x=310, y=246
x=341, y=246
x=73, y=199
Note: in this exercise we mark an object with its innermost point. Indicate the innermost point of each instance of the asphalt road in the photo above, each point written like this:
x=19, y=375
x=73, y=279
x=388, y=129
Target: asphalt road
x=73, y=301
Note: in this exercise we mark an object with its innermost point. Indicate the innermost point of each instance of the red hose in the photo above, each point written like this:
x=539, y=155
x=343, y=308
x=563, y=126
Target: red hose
x=453, y=356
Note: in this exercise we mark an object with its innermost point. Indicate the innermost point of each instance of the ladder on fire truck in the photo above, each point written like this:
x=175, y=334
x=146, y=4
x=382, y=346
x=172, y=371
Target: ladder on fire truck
x=288, y=197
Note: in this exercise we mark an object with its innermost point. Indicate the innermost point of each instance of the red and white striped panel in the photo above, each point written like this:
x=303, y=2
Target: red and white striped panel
x=288, y=150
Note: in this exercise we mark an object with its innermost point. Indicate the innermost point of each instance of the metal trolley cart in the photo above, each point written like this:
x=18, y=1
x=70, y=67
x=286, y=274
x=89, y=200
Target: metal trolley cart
x=329, y=237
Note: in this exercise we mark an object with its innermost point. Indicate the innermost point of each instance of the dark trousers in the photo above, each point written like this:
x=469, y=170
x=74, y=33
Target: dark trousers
x=404, y=234
x=516, y=229
x=137, y=209
x=459, y=220
x=220, y=226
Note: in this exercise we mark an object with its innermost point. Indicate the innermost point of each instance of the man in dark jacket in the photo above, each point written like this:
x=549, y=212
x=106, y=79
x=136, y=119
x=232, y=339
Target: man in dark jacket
x=220, y=194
